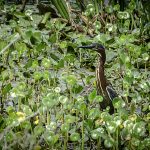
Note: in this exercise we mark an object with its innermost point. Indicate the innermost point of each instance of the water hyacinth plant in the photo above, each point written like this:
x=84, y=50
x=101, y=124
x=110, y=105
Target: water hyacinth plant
x=48, y=95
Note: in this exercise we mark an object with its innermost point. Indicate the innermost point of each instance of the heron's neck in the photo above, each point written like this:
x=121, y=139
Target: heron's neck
x=102, y=56
x=101, y=80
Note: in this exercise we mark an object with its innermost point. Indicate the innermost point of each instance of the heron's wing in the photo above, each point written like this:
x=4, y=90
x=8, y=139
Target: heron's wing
x=111, y=92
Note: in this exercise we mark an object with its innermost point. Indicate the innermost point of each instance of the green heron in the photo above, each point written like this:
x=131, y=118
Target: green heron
x=104, y=88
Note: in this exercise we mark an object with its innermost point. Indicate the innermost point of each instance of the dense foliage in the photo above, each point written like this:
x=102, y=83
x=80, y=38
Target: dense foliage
x=44, y=77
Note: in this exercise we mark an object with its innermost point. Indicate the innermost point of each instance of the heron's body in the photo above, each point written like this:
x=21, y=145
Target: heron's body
x=103, y=87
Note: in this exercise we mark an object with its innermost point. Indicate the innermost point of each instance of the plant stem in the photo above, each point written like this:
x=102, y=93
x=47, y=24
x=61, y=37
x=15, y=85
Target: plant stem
x=99, y=143
x=16, y=38
x=65, y=141
x=83, y=130
x=117, y=139
x=48, y=116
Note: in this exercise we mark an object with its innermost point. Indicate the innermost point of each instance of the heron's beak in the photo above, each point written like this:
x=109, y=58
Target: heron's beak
x=95, y=47
x=87, y=46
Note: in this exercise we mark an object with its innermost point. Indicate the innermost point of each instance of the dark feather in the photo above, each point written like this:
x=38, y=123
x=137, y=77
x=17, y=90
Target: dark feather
x=111, y=92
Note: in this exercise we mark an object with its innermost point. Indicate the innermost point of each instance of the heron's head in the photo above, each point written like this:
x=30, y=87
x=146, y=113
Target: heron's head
x=98, y=48
x=94, y=46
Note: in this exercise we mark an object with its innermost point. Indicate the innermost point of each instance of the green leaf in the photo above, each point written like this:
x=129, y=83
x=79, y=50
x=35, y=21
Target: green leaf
x=53, y=38
x=77, y=88
x=46, y=63
x=28, y=64
x=111, y=126
x=46, y=75
x=75, y=137
x=49, y=136
x=50, y=100
x=37, y=75
x=92, y=96
x=21, y=48
x=118, y=103
x=70, y=119
x=60, y=64
x=52, y=126
x=98, y=98
x=109, y=142
x=71, y=79
x=69, y=58
x=95, y=134
x=94, y=113
x=65, y=127
x=38, y=130
x=6, y=89
x=123, y=15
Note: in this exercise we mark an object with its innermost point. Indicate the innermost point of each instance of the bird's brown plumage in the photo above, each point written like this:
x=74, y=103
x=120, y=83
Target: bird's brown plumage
x=103, y=87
